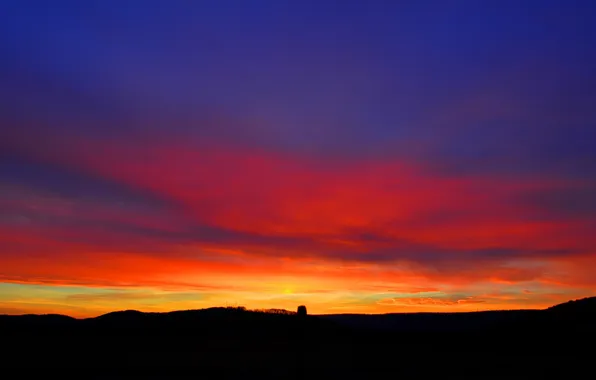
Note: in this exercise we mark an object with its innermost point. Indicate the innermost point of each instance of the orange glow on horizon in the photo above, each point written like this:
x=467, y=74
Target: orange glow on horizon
x=273, y=231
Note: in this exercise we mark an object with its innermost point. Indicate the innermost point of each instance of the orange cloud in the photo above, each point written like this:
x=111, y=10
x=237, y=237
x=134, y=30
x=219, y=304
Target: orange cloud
x=249, y=221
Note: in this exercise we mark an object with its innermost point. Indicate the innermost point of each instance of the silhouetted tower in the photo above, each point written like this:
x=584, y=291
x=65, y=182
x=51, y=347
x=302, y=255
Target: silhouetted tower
x=302, y=342
x=301, y=311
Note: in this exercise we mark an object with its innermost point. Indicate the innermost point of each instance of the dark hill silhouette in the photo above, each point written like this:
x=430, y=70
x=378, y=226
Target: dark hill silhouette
x=578, y=307
x=583, y=310
x=432, y=322
x=238, y=318
x=121, y=315
x=236, y=342
x=28, y=320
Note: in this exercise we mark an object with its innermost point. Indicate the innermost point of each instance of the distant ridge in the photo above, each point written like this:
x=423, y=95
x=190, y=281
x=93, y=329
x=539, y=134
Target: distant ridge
x=587, y=304
x=583, y=305
x=576, y=314
x=121, y=314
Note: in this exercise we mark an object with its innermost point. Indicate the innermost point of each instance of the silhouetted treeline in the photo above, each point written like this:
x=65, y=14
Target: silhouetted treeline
x=237, y=321
x=235, y=342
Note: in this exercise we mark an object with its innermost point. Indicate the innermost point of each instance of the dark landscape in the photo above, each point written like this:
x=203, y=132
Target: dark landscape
x=229, y=342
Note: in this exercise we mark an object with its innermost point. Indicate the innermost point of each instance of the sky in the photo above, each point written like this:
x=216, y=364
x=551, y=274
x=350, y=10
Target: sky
x=352, y=156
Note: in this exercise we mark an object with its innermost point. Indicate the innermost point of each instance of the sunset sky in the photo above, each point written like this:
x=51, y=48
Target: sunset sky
x=353, y=156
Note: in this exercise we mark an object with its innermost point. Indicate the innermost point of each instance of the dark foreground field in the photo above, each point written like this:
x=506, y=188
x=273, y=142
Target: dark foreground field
x=233, y=343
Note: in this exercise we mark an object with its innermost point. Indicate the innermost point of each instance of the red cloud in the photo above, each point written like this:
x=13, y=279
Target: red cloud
x=241, y=213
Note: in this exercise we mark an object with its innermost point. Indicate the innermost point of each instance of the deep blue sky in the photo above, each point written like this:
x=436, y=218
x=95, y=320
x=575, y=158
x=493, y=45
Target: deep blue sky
x=466, y=79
